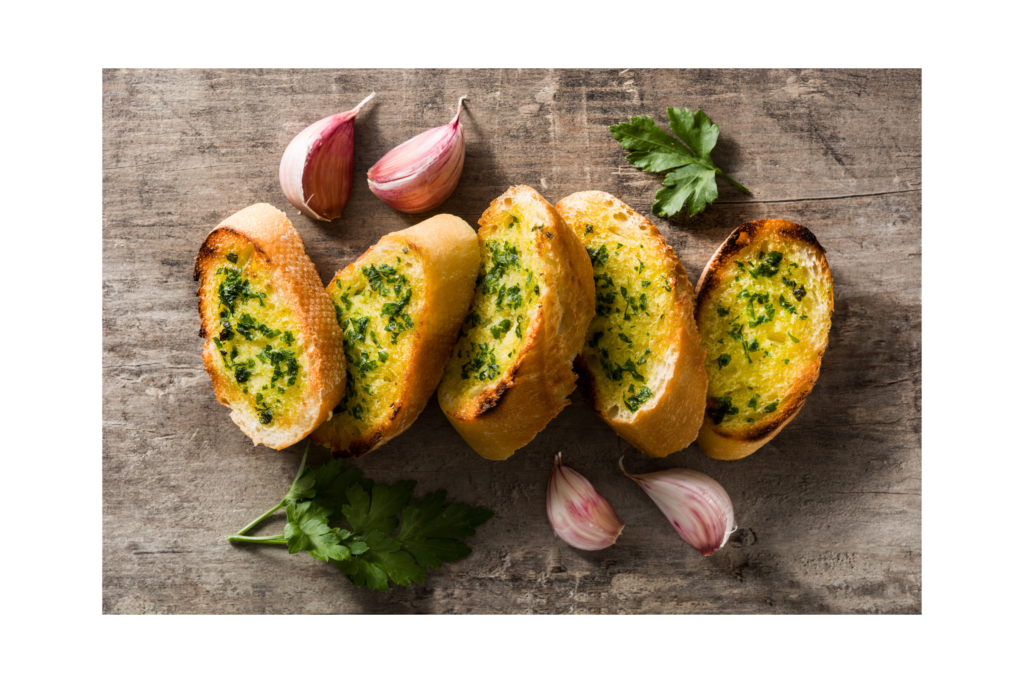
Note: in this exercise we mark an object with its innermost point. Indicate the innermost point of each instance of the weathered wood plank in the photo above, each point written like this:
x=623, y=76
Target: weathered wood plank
x=830, y=511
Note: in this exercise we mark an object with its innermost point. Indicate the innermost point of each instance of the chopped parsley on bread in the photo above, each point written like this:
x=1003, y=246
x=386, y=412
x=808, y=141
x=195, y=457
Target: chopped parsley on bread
x=400, y=306
x=272, y=347
x=512, y=369
x=642, y=365
x=764, y=309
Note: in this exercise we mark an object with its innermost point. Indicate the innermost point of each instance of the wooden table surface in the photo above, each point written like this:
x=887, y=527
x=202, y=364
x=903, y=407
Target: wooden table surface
x=829, y=512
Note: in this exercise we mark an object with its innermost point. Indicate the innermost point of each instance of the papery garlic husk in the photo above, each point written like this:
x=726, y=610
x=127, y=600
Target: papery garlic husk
x=697, y=505
x=421, y=173
x=578, y=513
x=316, y=169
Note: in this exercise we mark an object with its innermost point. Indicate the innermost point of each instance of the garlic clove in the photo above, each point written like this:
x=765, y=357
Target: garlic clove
x=697, y=505
x=316, y=168
x=578, y=513
x=421, y=173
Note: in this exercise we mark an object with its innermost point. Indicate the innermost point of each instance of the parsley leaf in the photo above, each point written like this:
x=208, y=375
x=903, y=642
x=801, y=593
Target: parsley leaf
x=303, y=486
x=429, y=529
x=337, y=515
x=690, y=173
x=692, y=186
x=368, y=512
x=382, y=560
x=332, y=480
x=308, y=530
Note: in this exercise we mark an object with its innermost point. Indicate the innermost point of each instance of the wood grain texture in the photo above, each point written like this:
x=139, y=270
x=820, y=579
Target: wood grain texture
x=829, y=511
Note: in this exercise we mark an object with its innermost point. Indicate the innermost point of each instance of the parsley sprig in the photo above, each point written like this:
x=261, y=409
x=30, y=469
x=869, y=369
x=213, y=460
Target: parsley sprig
x=690, y=178
x=361, y=542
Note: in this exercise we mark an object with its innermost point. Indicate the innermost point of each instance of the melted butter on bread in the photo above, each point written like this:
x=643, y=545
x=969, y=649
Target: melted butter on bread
x=262, y=362
x=642, y=365
x=761, y=328
x=764, y=309
x=377, y=306
x=508, y=288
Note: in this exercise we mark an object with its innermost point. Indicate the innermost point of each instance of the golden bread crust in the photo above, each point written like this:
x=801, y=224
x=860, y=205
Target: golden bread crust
x=450, y=257
x=734, y=443
x=295, y=281
x=535, y=387
x=669, y=421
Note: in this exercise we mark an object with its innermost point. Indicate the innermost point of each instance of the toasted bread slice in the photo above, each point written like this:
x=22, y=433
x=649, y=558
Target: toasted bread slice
x=764, y=308
x=400, y=306
x=273, y=349
x=511, y=371
x=642, y=366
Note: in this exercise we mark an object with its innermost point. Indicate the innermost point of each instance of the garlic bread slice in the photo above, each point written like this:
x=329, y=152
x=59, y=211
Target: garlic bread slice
x=400, y=306
x=642, y=366
x=272, y=349
x=764, y=309
x=511, y=371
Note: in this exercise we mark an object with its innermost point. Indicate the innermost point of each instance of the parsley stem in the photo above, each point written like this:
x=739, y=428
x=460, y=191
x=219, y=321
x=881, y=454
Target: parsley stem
x=240, y=534
x=302, y=464
x=723, y=173
x=272, y=540
x=259, y=519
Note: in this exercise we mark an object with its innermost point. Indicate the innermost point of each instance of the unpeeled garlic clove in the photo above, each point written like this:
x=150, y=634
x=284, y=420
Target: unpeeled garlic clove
x=421, y=173
x=697, y=505
x=316, y=169
x=578, y=513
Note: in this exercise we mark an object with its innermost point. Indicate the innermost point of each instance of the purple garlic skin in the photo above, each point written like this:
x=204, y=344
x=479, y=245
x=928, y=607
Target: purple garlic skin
x=578, y=513
x=421, y=173
x=316, y=168
x=697, y=506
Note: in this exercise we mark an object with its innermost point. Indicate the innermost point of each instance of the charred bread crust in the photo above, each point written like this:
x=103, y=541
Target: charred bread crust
x=450, y=256
x=737, y=443
x=534, y=388
x=295, y=281
x=711, y=278
x=669, y=421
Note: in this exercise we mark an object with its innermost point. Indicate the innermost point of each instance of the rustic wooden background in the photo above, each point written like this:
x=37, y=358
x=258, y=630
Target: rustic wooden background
x=829, y=512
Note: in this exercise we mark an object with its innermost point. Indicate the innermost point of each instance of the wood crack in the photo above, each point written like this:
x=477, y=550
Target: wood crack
x=155, y=163
x=881, y=493
x=148, y=365
x=822, y=199
x=888, y=384
x=160, y=552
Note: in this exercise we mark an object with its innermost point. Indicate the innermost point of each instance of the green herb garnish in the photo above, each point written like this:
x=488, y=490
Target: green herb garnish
x=615, y=372
x=722, y=406
x=690, y=178
x=598, y=257
x=498, y=331
x=637, y=399
x=339, y=516
x=484, y=366
x=768, y=267
x=235, y=287
x=504, y=257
